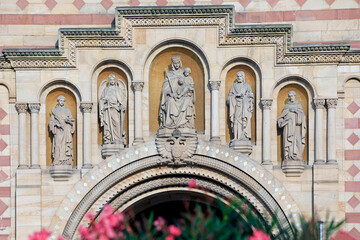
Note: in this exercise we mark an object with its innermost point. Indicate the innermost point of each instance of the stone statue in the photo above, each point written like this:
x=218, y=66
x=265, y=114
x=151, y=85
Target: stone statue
x=177, y=98
x=293, y=122
x=241, y=106
x=62, y=127
x=112, y=107
x=176, y=139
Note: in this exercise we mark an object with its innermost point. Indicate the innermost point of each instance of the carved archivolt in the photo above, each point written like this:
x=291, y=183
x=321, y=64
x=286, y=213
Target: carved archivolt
x=115, y=180
x=121, y=36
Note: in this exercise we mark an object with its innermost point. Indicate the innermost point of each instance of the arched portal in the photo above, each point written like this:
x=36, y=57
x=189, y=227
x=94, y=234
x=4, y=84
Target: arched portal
x=134, y=176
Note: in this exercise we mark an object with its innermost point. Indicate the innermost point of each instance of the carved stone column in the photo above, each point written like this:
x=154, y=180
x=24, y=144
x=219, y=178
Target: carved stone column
x=137, y=87
x=214, y=133
x=34, y=139
x=86, y=109
x=266, y=131
x=319, y=136
x=331, y=130
x=22, y=109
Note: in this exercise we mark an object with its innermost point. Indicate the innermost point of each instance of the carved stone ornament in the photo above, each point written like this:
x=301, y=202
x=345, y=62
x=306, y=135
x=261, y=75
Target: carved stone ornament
x=138, y=86
x=214, y=85
x=319, y=103
x=34, y=107
x=176, y=138
x=86, y=107
x=112, y=108
x=292, y=121
x=62, y=127
x=266, y=103
x=21, y=107
x=331, y=102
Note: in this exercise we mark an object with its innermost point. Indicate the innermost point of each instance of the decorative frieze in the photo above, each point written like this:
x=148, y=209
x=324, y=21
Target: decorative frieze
x=214, y=85
x=266, y=103
x=138, y=86
x=319, y=103
x=86, y=107
x=21, y=107
x=34, y=107
x=331, y=102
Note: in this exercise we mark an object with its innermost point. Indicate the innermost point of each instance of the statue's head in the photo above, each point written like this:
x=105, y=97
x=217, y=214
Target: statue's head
x=176, y=63
x=187, y=72
x=240, y=76
x=61, y=100
x=292, y=95
x=112, y=79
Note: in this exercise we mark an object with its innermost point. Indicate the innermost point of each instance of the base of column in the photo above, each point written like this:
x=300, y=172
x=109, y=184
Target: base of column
x=110, y=149
x=61, y=172
x=293, y=168
x=331, y=162
x=23, y=167
x=244, y=147
x=35, y=166
x=215, y=140
x=138, y=141
x=319, y=162
x=267, y=163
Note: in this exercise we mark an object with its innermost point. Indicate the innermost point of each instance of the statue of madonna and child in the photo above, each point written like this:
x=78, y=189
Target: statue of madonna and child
x=176, y=138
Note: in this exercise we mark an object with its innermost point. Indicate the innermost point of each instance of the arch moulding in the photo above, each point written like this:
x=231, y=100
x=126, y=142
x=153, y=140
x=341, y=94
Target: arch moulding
x=135, y=174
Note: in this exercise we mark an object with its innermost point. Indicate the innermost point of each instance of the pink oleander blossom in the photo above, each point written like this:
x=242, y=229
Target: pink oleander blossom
x=42, y=235
x=159, y=223
x=192, y=183
x=175, y=231
x=259, y=235
x=343, y=235
x=170, y=237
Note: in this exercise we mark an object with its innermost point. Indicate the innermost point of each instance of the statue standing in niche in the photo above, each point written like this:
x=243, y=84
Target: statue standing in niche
x=112, y=107
x=241, y=107
x=177, y=98
x=176, y=139
x=293, y=122
x=62, y=126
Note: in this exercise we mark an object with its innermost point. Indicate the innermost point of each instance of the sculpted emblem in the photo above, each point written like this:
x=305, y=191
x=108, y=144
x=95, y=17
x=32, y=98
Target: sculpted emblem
x=176, y=138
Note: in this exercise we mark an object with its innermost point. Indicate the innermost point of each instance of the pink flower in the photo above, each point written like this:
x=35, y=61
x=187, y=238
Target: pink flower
x=170, y=237
x=259, y=235
x=60, y=237
x=43, y=235
x=192, y=183
x=159, y=223
x=175, y=231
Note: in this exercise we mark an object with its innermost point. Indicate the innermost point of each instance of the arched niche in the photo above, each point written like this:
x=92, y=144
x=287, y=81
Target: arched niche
x=282, y=98
x=157, y=74
x=103, y=77
x=250, y=78
x=51, y=102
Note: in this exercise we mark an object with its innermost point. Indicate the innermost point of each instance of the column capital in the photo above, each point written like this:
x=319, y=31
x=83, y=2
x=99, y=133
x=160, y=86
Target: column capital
x=331, y=102
x=319, y=103
x=214, y=85
x=137, y=86
x=86, y=107
x=21, y=107
x=34, y=107
x=266, y=103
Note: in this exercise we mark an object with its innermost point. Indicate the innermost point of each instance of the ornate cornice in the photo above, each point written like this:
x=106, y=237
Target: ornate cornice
x=86, y=107
x=126, y=18
x=331, y=102
x=34, y=107
x=319, y=103
x=138, y=86
x=266, y=103
x=21, y=107
x=214, y=85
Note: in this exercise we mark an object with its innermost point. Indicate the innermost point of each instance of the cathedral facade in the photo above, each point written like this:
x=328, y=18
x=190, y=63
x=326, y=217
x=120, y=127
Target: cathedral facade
x=125, y=106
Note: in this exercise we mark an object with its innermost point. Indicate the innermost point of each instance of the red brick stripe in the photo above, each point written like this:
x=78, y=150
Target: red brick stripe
x=352, y=154
x=4, y=161
x=352, y=186
x=55, y=19
x=301, y=15
x=4, y=237
x=5, y=222
x=352, y=217
x=5, y=192
x=352, y=123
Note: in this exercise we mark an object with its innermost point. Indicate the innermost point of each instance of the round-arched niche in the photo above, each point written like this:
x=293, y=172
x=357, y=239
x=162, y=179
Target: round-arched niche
x=103, y=76
x=303, y=98
x=250, y=78
x=158, y=68
x=51, y=102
